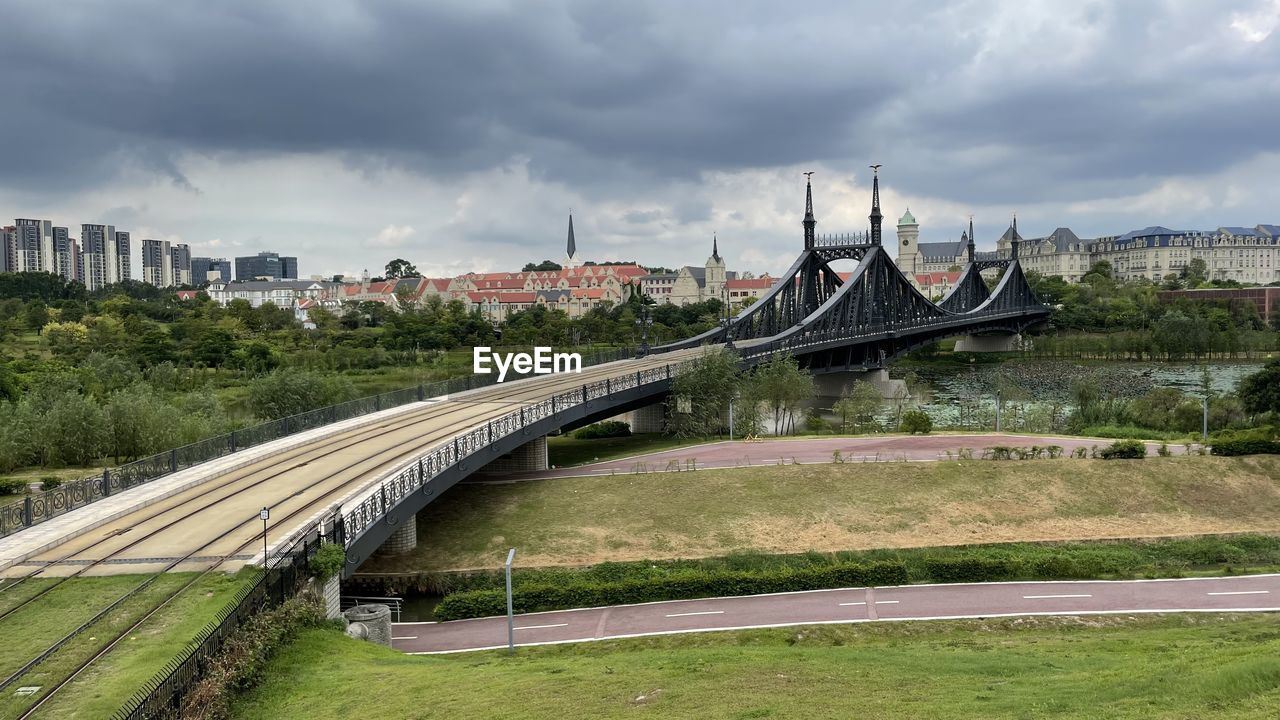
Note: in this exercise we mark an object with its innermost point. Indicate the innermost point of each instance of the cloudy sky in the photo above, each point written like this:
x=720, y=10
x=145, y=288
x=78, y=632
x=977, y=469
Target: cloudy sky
x=460, y=134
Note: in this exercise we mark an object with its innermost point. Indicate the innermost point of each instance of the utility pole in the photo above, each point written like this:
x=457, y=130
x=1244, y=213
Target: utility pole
x=265, y=514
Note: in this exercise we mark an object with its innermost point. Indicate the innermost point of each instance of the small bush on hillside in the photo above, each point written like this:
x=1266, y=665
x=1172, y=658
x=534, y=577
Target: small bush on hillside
x=916, y=422
x=606, y=429
x=12, y=486
x=50, y=482
x=328, y=561
x=1246, y=447
x=1124, y=450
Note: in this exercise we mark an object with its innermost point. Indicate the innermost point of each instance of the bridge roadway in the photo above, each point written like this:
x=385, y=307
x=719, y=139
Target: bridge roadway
x=219, y=518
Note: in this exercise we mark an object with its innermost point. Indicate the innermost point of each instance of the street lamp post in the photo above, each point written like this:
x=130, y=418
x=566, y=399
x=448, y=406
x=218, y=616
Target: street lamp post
x=511, y=624
x=644, y=323
x=265, y=514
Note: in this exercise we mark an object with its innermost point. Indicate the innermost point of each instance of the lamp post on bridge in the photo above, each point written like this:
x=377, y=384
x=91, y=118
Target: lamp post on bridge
x=265, y=514
x=644, y=323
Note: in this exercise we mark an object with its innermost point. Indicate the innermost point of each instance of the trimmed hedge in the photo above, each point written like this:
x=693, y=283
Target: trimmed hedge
x=678, y=586
x=606, y=429
x=1246, y=446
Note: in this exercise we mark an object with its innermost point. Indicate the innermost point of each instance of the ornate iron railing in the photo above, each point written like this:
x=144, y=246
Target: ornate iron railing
x=418, y=473
x=163, y=695
x=39, y=507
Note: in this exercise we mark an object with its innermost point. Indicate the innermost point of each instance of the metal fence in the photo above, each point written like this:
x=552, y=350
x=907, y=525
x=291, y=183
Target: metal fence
x=163, y=695
x=39, y=507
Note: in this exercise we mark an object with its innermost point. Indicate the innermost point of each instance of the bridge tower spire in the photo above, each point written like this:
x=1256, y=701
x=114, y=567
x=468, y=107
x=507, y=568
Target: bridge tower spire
x=971, y=245
x=875, y=206
x=1014, y=240
x=810, y=222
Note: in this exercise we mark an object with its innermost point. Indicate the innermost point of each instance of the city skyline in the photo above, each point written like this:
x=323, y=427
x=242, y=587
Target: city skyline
x=653, y=130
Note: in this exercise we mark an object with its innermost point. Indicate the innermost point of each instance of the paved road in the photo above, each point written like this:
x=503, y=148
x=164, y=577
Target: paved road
x=850, y=605
x=785, y=451
x=219, y=517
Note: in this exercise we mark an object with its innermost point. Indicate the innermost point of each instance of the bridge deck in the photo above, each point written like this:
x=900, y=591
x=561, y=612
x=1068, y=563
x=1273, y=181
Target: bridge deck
x=220, y=517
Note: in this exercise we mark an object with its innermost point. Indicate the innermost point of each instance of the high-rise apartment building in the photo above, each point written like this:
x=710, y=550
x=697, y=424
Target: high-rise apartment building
x=266, y=265
x=181, y=261
x=8, y=249
x=157, y=263
x=34, y=245
x=66, y=254
x=206, y=270
x=104, y=254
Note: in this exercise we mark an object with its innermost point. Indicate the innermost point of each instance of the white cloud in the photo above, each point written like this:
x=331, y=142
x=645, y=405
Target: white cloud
x=390, y=236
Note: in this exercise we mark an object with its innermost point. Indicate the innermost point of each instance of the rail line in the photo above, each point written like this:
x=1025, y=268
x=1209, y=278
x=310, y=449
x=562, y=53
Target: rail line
x=466, y=414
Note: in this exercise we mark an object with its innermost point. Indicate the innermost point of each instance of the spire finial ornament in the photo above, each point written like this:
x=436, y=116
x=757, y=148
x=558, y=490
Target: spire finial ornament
x=971, y=240
x=875, y=216
x=810, y=222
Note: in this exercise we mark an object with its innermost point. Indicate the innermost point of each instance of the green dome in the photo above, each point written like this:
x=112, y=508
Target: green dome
x=907, y=218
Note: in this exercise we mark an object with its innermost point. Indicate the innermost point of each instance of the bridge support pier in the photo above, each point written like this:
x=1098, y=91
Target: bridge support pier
x=403, y=539
x=529, y=456
x=648, y=419
x=834, y=385
x=988, y=343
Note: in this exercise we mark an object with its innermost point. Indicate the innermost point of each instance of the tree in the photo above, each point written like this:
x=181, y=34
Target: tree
x=288, y=392
x=1194, y=273
x=1260, y=392
x=544, y=266
x=783, y=386
x=66, y=339
x=401, y=268
x=916, y=422
x=36, y=315
x=700, y=393
x=858, y=406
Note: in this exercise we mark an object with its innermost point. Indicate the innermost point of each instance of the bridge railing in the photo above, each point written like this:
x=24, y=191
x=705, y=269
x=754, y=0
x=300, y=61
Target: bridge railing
x=46, y=505
x=165, y=693
x=418, y=473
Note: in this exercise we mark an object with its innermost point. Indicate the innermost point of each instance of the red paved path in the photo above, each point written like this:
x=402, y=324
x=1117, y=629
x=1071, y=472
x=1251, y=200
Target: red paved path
x=779, y=451
x=851, y=605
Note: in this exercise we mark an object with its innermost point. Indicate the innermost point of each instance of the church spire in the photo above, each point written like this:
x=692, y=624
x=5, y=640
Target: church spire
x=715, y=248
x=971, y=244
x=572, y=248
x=875, y=206
x=810, y=223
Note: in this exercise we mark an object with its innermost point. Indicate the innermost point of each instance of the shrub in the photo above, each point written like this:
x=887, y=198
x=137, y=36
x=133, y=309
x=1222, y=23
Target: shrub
x=1124, y=450
x=606, y=429
x=1246, y=447
x=50, y=482
x=328, y=561
x=970, y=569
x=12, y=486
x=916, y=422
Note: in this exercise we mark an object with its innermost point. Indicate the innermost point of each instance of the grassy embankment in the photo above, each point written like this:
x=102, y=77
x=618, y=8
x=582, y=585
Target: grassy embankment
x=1189, y=666
x=829, y=507
x=104, y=686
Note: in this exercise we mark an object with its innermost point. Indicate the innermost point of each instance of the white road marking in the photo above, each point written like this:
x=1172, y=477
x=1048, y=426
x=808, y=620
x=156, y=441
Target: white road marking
x=886, y=602
x=705, y=612
x=539, y=627
x=1242, y=592
x=853, y=603
x=406, y=637
x=1047, y=597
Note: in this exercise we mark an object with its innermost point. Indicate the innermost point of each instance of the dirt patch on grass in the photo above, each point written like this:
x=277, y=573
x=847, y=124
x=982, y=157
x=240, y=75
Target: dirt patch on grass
x=578, y=521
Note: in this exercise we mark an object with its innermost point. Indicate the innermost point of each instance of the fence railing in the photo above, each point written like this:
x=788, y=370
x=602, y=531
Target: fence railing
x=431, y=464
x=162, y=696
x=39, y=507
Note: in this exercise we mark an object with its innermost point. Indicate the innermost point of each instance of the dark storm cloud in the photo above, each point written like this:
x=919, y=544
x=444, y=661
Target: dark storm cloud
x=613, y=96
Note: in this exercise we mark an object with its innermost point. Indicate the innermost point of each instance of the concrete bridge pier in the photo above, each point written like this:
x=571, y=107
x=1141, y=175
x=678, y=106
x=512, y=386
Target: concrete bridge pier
x=988, y=343
x=529, y=456
x=403, y=539
x=834, y=385
x=648, y=419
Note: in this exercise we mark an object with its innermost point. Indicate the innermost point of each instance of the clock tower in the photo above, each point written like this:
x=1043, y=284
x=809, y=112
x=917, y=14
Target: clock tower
x=908, y=248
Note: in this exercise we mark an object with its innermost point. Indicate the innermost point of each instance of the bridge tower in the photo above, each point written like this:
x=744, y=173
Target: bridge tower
x=971, y=243
x=875, y=216
x=810, y=223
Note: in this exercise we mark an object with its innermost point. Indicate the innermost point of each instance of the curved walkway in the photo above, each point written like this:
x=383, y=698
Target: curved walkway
x=788, y=451
x=1253, y=593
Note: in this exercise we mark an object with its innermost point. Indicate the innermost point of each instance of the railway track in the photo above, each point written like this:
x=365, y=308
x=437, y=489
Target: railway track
x=328, y=489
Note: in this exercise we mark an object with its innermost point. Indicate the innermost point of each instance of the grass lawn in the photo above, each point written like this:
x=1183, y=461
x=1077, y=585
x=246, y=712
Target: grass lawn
x=567, y=451
x=1179, y=666
x=827, y=507
x=105, y=686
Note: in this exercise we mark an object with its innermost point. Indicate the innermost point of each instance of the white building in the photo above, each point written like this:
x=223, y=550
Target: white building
x=281, y=293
